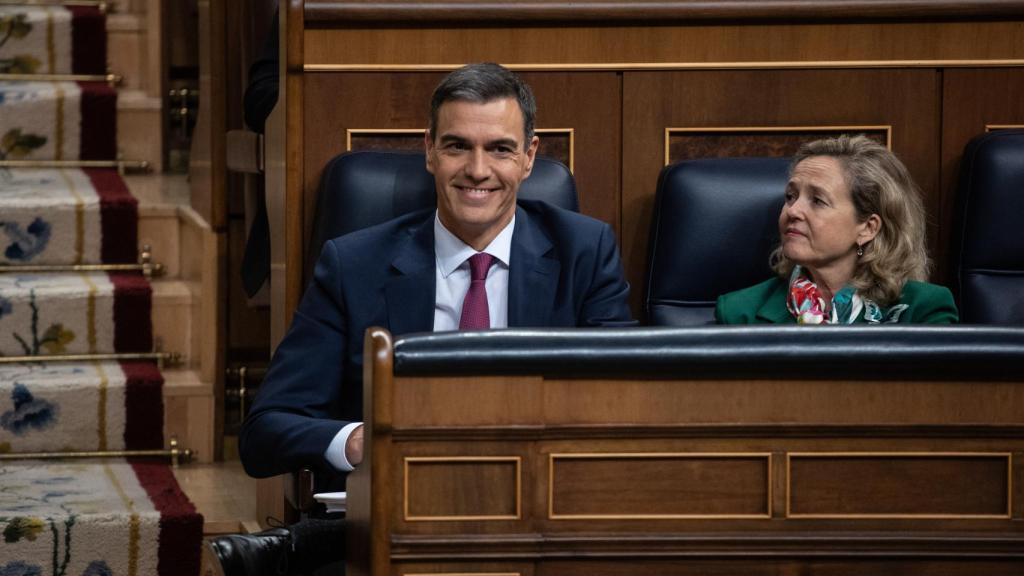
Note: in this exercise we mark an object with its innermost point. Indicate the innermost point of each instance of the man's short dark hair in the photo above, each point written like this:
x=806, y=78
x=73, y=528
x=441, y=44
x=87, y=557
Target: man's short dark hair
x=482, y=83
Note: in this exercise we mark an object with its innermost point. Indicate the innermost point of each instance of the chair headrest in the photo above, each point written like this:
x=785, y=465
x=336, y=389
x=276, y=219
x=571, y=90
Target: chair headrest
x=364, y=188
x=714, y=225
x=987, y=249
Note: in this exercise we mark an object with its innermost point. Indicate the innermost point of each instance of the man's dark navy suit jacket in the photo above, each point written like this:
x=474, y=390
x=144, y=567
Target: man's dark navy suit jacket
x=564, y=271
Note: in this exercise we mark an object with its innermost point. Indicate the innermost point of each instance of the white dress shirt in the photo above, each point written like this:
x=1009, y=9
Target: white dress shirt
x=451, y=265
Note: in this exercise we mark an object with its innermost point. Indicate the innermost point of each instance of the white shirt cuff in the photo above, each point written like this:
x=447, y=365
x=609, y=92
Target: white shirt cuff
x=336, y=449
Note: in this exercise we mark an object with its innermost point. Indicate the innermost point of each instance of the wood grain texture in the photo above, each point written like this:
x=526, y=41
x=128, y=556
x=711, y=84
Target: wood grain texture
x=659, y=486
x=326, y=13
x=563, y=46
x=482, y=489
x=897, y=485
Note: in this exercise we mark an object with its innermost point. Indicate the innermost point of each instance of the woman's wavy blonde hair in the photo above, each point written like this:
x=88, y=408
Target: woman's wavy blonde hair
x=879, y=184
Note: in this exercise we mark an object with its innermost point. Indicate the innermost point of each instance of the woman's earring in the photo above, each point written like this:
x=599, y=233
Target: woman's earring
x=860, y=250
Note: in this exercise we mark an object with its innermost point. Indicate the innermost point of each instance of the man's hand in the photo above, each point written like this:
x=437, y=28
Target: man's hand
x=354, y=447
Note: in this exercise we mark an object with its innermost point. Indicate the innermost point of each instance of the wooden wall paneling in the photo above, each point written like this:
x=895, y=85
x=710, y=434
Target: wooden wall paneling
x=972, y=98
x=905, y=99
x=426, y=11
x=602, y=45
x=853, y=564
x=586, y=103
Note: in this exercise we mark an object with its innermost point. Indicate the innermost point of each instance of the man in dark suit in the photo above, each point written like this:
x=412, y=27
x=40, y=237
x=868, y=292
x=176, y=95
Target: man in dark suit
x=549, y=267
x=480, y=260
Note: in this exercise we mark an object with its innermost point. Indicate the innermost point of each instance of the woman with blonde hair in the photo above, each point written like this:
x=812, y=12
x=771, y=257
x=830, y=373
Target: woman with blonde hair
x=852, y=245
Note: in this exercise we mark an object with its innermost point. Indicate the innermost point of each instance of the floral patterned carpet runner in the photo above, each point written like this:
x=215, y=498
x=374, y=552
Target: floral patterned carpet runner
x=76, y=517
x=52, y=40
x=68, y=216
x=96, y=518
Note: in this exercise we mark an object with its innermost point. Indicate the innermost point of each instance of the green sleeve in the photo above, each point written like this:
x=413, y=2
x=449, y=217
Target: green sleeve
x=931, y=304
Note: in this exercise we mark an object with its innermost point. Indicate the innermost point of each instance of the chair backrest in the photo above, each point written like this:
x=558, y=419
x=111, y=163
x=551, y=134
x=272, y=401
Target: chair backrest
x=987, y=250
x=714, y=225
x=363, y=188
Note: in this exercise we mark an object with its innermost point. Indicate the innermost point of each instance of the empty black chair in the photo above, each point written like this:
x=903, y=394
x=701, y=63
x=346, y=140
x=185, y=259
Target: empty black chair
x=987, y=248
x=714, y=225
x=363, y=188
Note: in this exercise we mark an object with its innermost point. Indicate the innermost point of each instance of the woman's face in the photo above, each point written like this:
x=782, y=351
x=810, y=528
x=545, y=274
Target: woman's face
x=818, y=224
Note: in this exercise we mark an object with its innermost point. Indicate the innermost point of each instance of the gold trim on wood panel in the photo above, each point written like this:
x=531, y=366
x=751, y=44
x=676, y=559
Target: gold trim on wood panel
x=991, y=127
x=462, y=459
x=645, y=66
x=463, y=574
x=669, y=130
x=1009, y=485
x=660, y=455
x=420, y=131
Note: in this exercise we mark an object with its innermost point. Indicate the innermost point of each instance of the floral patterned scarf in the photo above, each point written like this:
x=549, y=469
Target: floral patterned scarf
x=808, y=306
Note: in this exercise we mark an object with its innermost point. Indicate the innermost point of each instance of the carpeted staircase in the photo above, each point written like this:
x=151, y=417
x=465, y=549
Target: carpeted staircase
x=71, y=517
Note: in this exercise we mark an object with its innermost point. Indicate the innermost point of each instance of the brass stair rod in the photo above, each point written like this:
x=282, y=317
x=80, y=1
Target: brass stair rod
x=161, y=358
x=144, y=265
x=119, y=164
x=111, y=79
x=176, y=454
x=155, y=269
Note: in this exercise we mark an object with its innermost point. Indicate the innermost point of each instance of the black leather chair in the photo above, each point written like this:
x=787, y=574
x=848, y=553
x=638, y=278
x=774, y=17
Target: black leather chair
x=987, y=248
x=363, y=188
x=714, y=225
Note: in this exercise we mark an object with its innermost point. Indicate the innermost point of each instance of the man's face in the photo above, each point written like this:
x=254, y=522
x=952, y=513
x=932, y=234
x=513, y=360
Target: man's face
x=478, y=158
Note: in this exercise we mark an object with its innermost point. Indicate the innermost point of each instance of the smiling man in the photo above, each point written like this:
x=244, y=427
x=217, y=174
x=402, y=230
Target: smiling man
x=480, y=260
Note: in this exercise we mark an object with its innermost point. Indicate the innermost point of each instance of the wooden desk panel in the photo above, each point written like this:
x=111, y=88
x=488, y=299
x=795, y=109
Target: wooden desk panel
x=624, y=475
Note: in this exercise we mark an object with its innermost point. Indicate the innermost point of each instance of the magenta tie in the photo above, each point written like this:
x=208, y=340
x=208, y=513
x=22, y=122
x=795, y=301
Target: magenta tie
x=475, y=315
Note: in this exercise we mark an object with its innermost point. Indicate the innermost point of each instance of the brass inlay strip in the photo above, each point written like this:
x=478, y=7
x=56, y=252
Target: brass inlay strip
x=645, y=66
x=133, y=532
x=571, y=132
x=90, y=313
x=79, y=217
x=767, y=456
x=811, y=455
x=991, y=127
x=101, y=409
x=59, y=142
x=462, y=459
x=669, y=131
x=51, y=56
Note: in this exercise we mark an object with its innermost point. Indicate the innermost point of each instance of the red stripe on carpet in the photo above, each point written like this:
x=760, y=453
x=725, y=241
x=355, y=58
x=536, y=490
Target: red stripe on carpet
x=133, y=327
x=144, y=406
x=99, y=122
x=119, y=212
x=88, y=40
x=181, y=527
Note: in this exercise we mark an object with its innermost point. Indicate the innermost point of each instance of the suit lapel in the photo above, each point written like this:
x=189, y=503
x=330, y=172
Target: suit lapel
x=774, y=310
x=532, y=276
x=410, y=291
